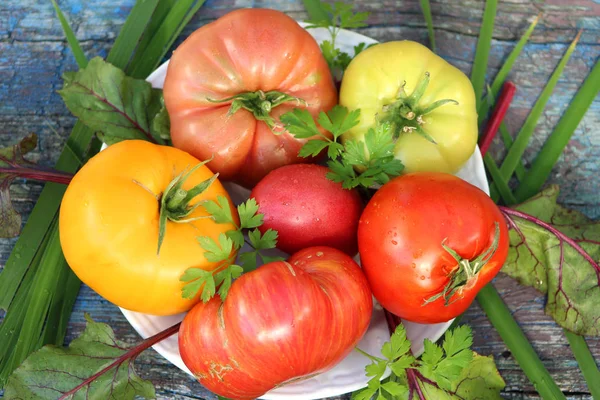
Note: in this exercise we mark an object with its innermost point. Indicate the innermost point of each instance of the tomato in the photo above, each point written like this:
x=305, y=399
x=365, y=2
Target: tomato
x=269, y=65
x=401, y=239
x=307, y=209
x=401, y=83
x=283, y=322
x=109, y=226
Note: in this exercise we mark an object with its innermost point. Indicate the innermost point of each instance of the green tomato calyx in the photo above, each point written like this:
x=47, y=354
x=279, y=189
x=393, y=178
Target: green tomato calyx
x=174, y=203
x=260, y=104
x=406, y=114
x=466, y=272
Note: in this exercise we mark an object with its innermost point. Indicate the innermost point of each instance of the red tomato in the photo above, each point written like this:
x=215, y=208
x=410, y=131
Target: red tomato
x=282, y=322
x=400, y=239
x=307, y=209
x=248, y=51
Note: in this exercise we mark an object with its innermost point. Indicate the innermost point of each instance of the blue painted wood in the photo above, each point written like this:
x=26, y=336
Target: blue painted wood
x=33, y=55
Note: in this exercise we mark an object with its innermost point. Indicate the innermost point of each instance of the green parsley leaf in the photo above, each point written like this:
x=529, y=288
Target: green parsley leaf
x=312, y=148
x=338, y=120
x=267, y=240
x=248, y=260
x=300, y=123
x=442, y=372
x=219, y=210
x=249, y=217
x=237, y=237
x=216, y=252
x=225, y=277
x=198, y=279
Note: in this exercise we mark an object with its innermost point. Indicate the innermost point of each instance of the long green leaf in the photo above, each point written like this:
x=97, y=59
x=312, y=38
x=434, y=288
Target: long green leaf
x=586, y=362
x=502, y=319
x=131, y=33
x=315, y=10
x=160, y=13
x=515, y=153
x=544, y=162
x=500, y=183
x=80, y=57
x=426, y=8
x=163, y=38
x=483, y=49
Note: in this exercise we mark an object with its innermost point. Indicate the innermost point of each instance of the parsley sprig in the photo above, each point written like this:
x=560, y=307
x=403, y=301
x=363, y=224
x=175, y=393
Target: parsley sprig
x=354, y=163
x=341, y=17
x=450, y=369
x=224, y=250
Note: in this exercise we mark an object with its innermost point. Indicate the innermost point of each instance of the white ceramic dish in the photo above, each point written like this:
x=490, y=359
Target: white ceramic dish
x=348, y=375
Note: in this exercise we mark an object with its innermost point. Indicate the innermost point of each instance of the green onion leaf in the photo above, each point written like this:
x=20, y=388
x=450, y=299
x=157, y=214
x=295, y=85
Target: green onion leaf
x=515, y=153
x=483, y=49
x=560, y=136
x=426, y=8
x=163, y=38
x=80, y=57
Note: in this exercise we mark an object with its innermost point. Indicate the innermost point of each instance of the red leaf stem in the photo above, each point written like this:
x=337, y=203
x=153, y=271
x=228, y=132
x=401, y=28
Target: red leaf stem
x=509, y=213
x=131, y=353
x=500, y=109
x=38, y=174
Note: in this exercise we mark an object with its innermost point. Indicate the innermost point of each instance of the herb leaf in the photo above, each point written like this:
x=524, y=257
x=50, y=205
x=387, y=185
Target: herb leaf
x=341, y=17
x=219, y=210
x=374, y=158
x=216, y=252
x=54, y=371
x=442, y=372
x=538, y=258
x=249, y=217
x=11, y=158
x=118, y=107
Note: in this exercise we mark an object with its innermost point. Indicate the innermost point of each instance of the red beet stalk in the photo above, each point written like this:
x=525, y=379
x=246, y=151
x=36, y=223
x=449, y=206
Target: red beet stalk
x=500, y=109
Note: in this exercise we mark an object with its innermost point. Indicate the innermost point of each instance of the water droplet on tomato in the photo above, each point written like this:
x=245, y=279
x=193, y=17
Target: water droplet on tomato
x=422, y=277
x=295, y=181
x=285, y=203
x=317, y=219
x=394, y=242
x=319, y=253
x=413, y=265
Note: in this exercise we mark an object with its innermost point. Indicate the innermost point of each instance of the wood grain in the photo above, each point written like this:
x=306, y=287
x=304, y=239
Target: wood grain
x=33, y=55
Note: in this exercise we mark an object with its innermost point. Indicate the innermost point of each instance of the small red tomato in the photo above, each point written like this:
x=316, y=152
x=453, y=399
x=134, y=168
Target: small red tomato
x=282, y=322
x=428, y=243
x=307, y=209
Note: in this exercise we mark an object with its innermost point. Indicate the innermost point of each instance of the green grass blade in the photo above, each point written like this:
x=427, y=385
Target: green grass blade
x=508, y=141
x=426, y=8
x=160, y=13
x=131, y=32
x=512, y=335
x=515, y=153
x=586, y=362
x=483, y=49
x=80, y=57
x=484, y=108
x=315, y=10
x=500, y=184
x=512, y=57
x=544, y=162
x=163, y=38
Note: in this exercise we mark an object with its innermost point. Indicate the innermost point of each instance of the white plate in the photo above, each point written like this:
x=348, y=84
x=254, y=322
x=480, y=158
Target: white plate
x=348, y=375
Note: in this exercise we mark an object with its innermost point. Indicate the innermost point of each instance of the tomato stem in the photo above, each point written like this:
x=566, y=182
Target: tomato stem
x=407, y=115
x=466, y=270
x=259, y=103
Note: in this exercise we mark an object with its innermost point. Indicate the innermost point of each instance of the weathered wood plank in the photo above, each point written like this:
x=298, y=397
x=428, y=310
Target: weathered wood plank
x=33, y=55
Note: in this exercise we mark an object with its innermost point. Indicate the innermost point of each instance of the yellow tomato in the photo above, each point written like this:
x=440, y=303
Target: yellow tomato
x=404, y=83
x=109, y=226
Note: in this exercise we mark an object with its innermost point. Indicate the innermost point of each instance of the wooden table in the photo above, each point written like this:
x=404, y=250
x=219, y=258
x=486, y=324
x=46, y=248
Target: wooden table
x=33, y=55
